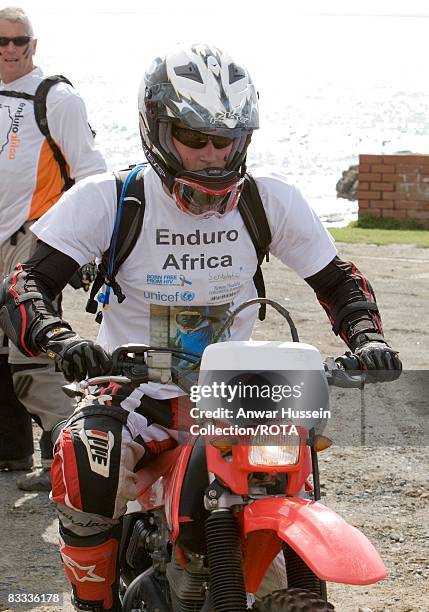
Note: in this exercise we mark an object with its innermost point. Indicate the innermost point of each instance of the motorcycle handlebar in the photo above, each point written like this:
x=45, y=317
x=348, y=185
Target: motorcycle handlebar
x=131, y=360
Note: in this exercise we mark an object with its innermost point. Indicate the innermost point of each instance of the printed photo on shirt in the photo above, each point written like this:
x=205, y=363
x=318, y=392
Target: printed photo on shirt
x=189, y=327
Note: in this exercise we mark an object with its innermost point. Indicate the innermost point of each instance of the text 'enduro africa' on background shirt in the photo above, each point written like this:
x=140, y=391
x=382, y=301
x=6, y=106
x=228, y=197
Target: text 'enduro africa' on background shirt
x=183, y=275
x=30, y=178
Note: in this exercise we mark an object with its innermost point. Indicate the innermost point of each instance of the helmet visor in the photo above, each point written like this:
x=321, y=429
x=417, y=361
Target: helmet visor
x=202, y=201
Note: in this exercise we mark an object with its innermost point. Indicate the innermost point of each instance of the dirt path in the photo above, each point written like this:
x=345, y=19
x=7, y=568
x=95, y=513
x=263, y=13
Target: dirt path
x=380, y=488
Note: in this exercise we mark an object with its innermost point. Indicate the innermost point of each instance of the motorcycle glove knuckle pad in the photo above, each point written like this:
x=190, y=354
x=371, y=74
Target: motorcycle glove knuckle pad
x=378, y=356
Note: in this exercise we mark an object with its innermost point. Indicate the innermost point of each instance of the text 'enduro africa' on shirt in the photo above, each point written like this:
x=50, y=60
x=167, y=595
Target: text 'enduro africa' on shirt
x=29, y=175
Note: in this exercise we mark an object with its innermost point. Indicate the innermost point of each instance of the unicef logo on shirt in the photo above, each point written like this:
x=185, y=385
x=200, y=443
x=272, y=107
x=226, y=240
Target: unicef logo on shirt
x=177, y=296
x=187, y=296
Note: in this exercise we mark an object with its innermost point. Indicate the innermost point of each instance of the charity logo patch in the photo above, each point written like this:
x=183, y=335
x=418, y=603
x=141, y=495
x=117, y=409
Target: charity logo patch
x=177, y=296
x=168, y=279
x=98, y=446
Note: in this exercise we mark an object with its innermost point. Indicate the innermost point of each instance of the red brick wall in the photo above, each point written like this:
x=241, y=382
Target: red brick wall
x=394, y=186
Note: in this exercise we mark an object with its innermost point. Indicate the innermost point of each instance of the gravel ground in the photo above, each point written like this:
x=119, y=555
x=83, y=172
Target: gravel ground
x=381, y=488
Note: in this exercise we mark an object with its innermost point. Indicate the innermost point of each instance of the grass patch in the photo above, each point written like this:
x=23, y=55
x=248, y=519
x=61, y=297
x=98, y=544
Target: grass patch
x=370, y=230
x=371, y=222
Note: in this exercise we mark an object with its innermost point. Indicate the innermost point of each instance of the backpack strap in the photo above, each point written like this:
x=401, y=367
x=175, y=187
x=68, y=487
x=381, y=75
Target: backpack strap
x=42, y=123
x=128, y=225
x=16, y=94
x=255, y=219
x=39, y=99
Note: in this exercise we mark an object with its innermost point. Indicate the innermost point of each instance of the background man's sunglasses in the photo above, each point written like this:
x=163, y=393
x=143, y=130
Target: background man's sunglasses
x=18, y=41
x=198, y=140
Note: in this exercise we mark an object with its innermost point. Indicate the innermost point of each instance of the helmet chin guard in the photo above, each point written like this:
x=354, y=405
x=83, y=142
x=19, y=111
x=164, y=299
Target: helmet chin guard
x=212, y=192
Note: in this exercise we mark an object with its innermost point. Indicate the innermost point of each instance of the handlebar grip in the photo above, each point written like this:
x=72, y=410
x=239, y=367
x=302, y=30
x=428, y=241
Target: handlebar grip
x=347, y=372
x=348, y=362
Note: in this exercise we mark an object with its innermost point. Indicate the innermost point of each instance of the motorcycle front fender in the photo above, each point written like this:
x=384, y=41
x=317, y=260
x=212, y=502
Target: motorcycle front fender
x=334, y=550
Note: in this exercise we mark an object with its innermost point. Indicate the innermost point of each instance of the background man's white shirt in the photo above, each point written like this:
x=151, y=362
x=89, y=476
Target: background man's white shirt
x=30, y=178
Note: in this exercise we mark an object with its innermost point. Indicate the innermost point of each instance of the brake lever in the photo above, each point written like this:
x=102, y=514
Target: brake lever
x=340, y=378
x=337, y=372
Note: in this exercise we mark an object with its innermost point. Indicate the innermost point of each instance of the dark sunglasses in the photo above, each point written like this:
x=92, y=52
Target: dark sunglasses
x=18, y=41
x=198, y=140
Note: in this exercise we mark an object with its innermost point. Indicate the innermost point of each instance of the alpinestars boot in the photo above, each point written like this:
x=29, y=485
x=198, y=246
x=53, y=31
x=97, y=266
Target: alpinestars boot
x=90, y=564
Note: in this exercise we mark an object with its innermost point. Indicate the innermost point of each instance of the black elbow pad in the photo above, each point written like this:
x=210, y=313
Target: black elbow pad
x=349, y=301
x=26, y=311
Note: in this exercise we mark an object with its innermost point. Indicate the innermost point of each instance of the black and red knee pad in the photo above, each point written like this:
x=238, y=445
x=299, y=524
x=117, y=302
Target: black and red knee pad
x=87, y=460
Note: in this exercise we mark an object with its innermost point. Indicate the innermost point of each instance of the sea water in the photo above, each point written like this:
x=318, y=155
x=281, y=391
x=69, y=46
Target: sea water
x=331, y=85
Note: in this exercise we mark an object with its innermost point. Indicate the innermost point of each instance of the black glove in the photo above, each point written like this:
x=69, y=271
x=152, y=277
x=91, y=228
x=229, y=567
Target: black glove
x=381, y=360
x=76, y=357
x=84, y=276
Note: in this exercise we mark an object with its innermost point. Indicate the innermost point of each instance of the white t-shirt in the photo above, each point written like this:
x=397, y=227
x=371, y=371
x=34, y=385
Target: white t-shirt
x=30, y=177
x=184, y=275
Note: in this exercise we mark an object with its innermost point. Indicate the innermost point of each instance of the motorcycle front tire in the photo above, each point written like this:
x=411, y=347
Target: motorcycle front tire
x=292, y=600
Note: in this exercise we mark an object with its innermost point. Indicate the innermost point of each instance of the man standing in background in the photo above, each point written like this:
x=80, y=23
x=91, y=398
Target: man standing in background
x=31, y=181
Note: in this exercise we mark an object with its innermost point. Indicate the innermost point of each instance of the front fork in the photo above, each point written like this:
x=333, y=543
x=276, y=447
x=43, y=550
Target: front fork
x=225, y=562
x=227, y=589
x=295, y=566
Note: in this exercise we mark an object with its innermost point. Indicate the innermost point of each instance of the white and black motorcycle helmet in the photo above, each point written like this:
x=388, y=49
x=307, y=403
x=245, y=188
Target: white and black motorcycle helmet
x=199, y=89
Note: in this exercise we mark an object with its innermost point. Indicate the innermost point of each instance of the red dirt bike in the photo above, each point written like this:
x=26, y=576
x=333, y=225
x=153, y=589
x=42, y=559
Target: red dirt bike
x=213, y=513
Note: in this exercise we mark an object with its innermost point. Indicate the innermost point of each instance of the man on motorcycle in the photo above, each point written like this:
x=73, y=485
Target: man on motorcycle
x=198, y=109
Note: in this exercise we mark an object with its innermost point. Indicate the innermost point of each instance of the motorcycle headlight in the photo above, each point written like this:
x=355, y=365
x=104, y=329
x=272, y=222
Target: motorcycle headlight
x=274, y=450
